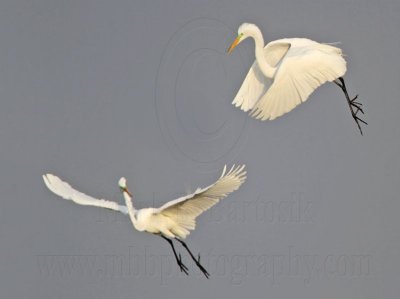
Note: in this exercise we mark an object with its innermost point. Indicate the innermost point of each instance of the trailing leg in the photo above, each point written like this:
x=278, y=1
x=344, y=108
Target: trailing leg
x=197, y=261
x=354, y=106
x=182, y=267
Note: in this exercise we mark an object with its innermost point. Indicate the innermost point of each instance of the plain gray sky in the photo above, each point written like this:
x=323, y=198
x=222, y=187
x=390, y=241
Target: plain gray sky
x=93, y=90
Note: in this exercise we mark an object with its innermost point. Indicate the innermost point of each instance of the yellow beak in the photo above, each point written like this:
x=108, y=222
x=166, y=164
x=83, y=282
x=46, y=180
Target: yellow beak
x=125, y=189
x=130, y=194
x=233, y=45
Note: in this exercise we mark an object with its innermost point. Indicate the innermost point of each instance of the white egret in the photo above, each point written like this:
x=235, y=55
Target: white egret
x=297, y=66
x=173, y=220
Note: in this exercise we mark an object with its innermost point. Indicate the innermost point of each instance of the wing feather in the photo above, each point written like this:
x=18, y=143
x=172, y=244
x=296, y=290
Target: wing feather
x=64, y=190
x=184, y=210
x=306, y=66
x=253, y=87
x=256, y=84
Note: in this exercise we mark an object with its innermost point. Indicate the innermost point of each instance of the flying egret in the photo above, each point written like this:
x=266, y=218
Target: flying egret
x=173, y=220
x=297, y=66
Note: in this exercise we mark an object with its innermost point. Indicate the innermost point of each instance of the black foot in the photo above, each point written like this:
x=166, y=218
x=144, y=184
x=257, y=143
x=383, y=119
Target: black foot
x=202, y=269
x=181, y=265
x=178, y=258
x=197, y=261
x=355, y=107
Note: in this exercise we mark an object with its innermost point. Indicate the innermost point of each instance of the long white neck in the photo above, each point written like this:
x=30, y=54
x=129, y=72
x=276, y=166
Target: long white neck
x=266, y=69
x=131, y=209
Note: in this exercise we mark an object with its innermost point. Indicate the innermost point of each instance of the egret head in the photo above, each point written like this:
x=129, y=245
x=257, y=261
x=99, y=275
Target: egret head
x=245, y=30
x=122, y=185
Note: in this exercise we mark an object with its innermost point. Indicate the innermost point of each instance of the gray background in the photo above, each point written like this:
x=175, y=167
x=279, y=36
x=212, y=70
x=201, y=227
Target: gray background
x=92, y=90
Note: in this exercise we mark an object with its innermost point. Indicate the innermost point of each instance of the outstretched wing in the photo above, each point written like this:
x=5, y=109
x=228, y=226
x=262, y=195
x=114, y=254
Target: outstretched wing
x=184, y=210
x=256, y=84
x=63, y=189
x=253, y=87
x=306, y=66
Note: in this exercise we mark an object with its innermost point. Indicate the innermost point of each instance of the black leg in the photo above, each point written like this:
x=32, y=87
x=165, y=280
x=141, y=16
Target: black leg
x=197, y=261
x=352, y=103
x=178, y=259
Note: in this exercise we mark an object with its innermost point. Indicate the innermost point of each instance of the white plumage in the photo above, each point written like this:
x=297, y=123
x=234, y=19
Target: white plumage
x=64, y=190
x=184, y=211
x=174, y=220
x=297, y=67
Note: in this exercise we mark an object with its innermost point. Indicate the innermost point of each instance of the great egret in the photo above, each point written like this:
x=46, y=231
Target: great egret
x=173, y=220
x=297, y=66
